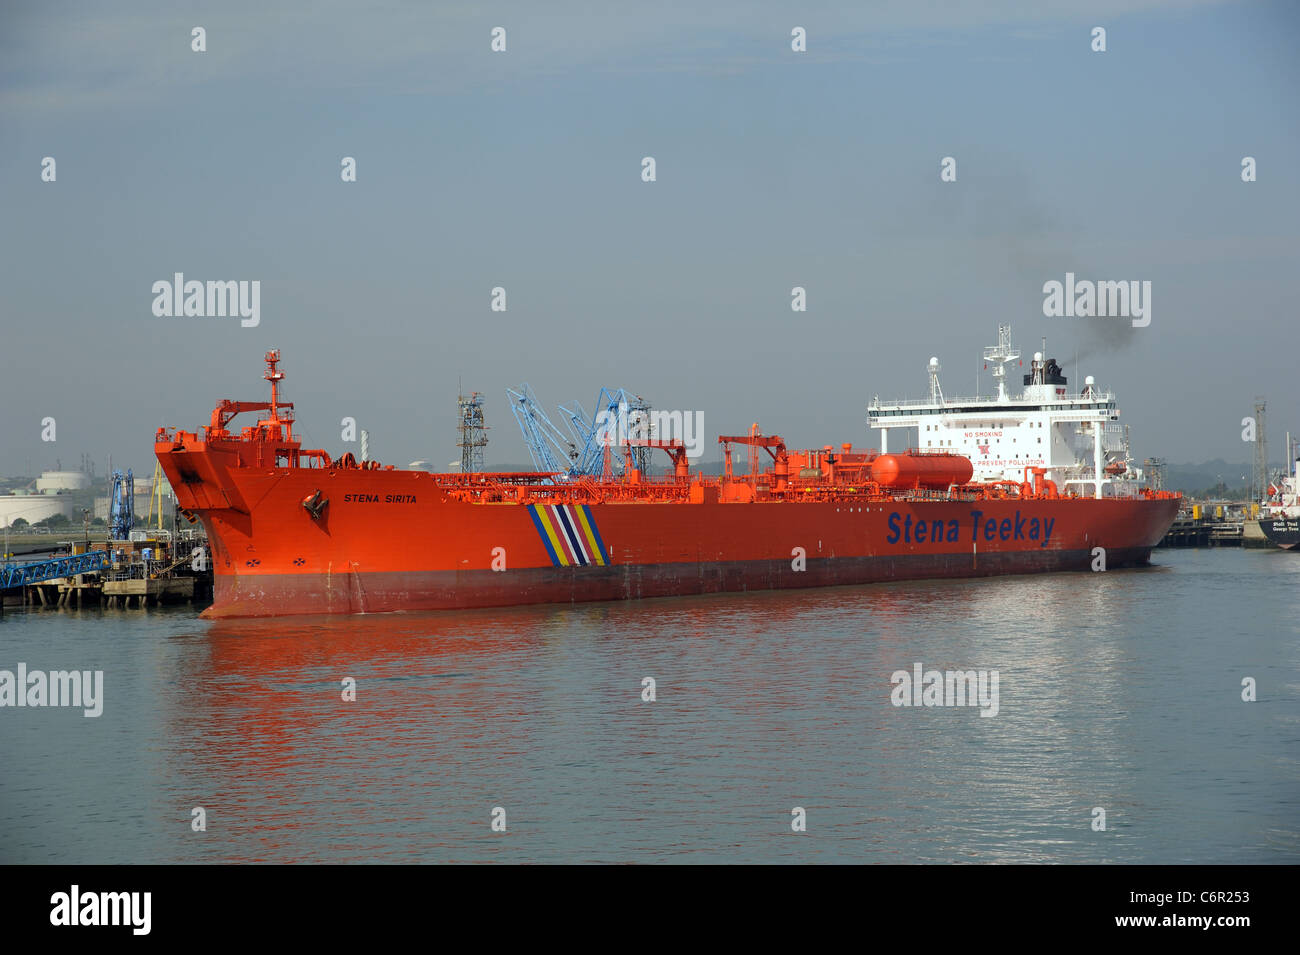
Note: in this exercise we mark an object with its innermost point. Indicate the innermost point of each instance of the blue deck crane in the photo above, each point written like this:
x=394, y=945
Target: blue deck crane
x=550, y=448
x=581, y=451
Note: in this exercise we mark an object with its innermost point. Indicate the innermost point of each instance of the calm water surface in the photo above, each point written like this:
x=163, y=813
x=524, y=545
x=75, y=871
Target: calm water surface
x=1120, y=690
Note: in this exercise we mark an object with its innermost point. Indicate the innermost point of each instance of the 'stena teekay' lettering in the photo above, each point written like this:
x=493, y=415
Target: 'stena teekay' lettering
x=1017, y=528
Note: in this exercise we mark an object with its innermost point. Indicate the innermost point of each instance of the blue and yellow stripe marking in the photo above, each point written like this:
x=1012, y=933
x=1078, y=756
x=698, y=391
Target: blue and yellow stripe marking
x=577, y=549
x=548, y=536
x=570, y=535
x=593, y=534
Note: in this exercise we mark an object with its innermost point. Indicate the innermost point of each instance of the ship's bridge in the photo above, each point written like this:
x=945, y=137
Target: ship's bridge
x=1074, y=435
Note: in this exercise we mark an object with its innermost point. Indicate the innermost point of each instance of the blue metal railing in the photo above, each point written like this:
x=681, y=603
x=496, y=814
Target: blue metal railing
x=15, y=575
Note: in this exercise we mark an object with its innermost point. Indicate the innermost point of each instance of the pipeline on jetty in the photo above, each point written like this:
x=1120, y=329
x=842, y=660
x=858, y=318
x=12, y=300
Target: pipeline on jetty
x=149, y=569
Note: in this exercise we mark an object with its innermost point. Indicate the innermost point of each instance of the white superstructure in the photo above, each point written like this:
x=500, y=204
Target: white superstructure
x=1076, y=436
x=1283, y=501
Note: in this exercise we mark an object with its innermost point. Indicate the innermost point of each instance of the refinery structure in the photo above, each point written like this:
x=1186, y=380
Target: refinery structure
x=49, y=495
x=60, y=493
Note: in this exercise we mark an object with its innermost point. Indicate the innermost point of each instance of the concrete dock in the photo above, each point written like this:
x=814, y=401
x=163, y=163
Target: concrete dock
x=1190, y=531
x=138, y=592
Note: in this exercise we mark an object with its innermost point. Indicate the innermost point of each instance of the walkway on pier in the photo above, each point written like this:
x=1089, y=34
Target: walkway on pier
x=17, y=575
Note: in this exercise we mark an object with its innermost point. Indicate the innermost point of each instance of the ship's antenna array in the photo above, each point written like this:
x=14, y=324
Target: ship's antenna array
x=473, y=432
x=274, y=376
x=1155, y=468
x=1000, y=354
x=936, y=393
x=1259, y=484
x=642, y=422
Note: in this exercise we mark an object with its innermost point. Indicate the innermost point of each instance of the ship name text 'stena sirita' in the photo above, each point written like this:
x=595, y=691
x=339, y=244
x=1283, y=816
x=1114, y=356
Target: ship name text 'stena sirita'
x=996, y=487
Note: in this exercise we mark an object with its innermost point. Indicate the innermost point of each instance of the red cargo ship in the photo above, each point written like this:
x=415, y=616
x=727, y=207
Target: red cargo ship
x=294, y=531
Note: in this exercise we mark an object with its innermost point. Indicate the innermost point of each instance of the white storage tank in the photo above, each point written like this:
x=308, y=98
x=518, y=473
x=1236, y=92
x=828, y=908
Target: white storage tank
x=33, y=508
x=51, y=481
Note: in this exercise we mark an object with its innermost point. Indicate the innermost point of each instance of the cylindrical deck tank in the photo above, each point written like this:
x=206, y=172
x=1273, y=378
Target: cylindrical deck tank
x=932, y=471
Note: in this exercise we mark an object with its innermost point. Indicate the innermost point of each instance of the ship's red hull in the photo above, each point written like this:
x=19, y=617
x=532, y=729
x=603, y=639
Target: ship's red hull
x=395, y=540
x=293, y=531
x=245, y=595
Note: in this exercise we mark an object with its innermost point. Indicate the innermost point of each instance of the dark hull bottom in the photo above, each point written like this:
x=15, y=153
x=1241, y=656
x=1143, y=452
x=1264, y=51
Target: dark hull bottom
x=1283, y=533
x=265, y=595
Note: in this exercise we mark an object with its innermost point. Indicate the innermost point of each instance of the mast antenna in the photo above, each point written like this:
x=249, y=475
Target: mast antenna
x=1000, y=354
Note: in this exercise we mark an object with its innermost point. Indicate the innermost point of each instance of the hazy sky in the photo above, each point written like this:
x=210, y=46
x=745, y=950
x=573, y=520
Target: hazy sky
x=522, y=169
